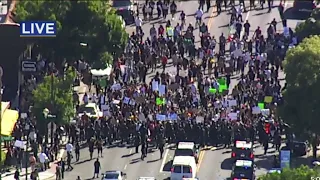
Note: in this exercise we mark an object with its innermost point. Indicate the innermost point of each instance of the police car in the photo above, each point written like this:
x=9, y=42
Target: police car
x=187, y=149
x=243, y=170
x=242, y=150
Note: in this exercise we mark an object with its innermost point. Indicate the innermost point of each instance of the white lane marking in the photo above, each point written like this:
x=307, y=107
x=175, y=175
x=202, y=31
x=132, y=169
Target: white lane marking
x=164, y=160
x=125, y=166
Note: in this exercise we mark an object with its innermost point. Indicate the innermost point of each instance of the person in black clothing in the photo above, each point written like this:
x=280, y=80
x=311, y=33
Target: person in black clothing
x=143, y=150
x=161, y=147
x=97, y=168
x=137, y=142
x=77, y=151
x=62, y=168
x=69, y=157
x=16, y=174
x=91, y=148
x=99, y=147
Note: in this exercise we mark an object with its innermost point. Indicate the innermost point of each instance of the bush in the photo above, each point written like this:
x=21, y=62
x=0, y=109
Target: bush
x=301, y=173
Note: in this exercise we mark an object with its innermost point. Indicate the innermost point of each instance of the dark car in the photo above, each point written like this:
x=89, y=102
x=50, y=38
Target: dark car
x=304, y=5
x=125, y=9
x=243, y=170
x=242, y=150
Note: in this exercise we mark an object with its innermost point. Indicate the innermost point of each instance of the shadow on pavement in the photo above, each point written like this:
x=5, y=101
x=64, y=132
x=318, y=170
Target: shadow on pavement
x=133, y=161
x=157, y=21
x=151, y=161
x=259, y=14
x=290, y=13
x=227, y=164
x=264, y=162
x=81, y=162
x=224, y=26
x=127, y=155
x=226, y=152
x=167, y=166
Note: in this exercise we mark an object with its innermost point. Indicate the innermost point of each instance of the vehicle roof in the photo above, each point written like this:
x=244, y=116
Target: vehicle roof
x=243, y=144
x=113, y=172
x=91, y=105
x=185, y=145
x=183, y=160
x=146, y=178
x=244, y=163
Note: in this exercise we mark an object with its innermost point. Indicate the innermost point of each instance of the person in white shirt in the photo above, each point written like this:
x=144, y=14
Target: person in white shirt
x=239, y=13
x=138, y=23
x=43, y=158
x=69, y=148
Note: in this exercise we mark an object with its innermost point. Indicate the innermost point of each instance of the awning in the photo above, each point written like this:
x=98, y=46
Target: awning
x=9, y=119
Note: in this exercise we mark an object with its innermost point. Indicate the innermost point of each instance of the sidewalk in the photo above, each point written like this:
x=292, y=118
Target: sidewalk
x=49, y=173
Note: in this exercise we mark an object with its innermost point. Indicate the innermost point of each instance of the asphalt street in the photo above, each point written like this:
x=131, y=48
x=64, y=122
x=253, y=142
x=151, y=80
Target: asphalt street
x=214, y=162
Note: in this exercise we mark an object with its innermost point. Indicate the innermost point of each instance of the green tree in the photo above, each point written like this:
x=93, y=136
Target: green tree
x=103, y=61
x=301, y=173
x=301, y=97
x=92, y=22
x=55, y=93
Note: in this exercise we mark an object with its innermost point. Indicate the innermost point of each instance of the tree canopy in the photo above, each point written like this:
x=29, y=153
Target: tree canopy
x=55, y=94
x=301, y=107
x=309, y=27
x=88, y=22
x=301, y=173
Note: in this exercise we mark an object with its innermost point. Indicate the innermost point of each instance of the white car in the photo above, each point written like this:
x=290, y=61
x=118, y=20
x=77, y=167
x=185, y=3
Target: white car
x=113, y=175
x=91, y=109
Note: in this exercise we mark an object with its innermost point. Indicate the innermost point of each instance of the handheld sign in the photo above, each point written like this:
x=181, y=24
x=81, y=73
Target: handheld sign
x=38, y=29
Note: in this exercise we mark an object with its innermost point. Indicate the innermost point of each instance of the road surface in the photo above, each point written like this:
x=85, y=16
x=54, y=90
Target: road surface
x=214, y=162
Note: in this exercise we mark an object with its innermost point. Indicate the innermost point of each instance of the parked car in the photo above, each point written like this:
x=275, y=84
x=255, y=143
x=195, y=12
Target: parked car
x=126, y=9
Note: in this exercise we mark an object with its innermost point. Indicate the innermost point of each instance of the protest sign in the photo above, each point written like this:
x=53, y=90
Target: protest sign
x=155, y=85
x=261, y=105
x=268, y=99
x=160, y=101
x=212, y=91
x=162, y=90
x=161, y=117
x=256, y=110
x=232, y=103
x=126, y=100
